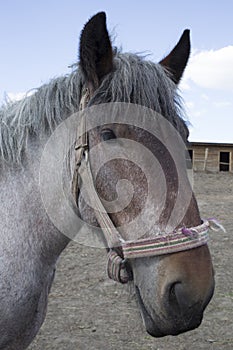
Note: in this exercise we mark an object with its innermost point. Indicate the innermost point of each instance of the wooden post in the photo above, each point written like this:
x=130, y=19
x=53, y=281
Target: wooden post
x=206, y=158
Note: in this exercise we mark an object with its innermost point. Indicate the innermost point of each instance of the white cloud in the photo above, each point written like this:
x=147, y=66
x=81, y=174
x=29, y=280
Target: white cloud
x=221, y=104
x=211, y=69
x=189, y=104
x=12, y=96
x=205, y=97
x=184, y=85
x=17, y=96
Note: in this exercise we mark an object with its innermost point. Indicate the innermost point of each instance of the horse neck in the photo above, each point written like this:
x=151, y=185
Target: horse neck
x=28, y=229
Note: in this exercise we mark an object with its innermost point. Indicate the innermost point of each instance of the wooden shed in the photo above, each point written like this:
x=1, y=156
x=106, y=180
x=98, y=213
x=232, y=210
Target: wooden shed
x=212, y=157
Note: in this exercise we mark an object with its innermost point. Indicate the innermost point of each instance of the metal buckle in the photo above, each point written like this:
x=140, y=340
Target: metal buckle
x=81, y=152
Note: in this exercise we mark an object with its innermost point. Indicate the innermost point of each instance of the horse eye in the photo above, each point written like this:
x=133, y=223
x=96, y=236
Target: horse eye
x=107, y=134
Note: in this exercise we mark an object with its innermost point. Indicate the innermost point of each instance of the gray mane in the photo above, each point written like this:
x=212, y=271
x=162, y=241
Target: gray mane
x=146, y=83
x=37, y=114
x=134, y=80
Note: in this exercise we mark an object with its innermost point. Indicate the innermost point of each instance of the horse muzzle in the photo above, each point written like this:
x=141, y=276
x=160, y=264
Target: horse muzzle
x=174, y=301
x=179, y=316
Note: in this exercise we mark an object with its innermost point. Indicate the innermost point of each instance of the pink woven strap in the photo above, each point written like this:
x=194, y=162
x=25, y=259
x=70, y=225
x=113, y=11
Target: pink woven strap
x=180, y=240
x=116, y=268
x=177, y=241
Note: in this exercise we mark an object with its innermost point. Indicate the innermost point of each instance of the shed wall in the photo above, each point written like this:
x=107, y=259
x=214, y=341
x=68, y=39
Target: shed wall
x=207, y=158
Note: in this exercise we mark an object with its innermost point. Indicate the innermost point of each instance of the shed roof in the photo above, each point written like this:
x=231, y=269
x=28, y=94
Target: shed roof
x=210, y=144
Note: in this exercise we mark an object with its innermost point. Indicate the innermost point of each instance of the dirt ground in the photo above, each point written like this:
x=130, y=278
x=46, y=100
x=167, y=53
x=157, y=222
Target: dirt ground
x=87, y=311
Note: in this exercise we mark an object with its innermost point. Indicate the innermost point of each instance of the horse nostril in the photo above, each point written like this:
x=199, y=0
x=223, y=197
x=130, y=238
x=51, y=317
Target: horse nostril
x=181, y=301
x=172, y=296
x=183, y=307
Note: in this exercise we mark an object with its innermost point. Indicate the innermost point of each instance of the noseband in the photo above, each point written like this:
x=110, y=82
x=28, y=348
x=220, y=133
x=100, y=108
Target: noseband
x=119, y=250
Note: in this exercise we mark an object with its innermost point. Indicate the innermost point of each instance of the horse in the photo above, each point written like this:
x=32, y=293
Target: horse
x=173, y=279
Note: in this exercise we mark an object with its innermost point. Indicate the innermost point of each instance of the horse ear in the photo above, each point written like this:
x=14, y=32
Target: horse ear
x=177, y=59
x=95, y=53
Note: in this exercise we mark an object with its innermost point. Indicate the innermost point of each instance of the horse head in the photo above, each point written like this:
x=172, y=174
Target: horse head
x=172, y=288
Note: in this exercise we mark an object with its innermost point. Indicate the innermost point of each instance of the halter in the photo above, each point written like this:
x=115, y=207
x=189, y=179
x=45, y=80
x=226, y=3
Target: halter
x=119, y=250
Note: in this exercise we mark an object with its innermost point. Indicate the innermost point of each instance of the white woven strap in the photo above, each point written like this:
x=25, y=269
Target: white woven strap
x=111, y=234
x=82, y=169
x=116, y=268
x=177, y=241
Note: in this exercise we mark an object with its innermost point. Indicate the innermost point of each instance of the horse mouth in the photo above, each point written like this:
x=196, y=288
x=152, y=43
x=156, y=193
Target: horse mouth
x=148, y=321
x=151, y=324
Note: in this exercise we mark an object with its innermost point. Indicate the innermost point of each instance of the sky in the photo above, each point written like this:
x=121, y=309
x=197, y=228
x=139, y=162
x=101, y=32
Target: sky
x=40, y=39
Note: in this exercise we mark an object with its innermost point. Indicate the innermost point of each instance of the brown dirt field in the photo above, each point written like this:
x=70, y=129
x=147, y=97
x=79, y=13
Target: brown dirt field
x=87, y=311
